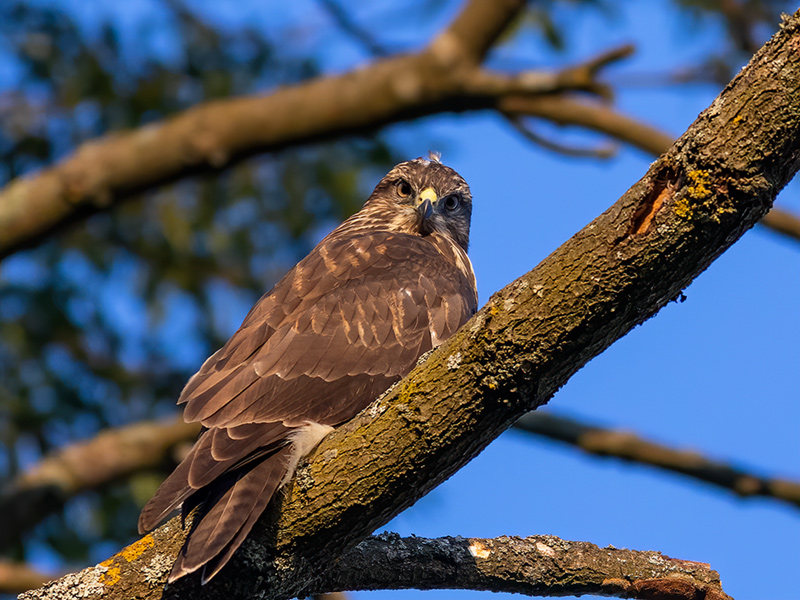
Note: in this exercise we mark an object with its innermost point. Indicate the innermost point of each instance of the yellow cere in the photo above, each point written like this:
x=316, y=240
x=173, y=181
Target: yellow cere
x=427, y=194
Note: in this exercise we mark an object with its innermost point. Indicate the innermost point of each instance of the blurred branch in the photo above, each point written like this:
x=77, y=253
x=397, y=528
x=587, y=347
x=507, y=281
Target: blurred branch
x=539, y=565
x=361, y=35
x=17, y=577
x=783, y=222
x=741, y=18
x=112, y=455
x=330, y=596
x=570, y=110
x=630, y=447
x=601, y=152
x=445, y=76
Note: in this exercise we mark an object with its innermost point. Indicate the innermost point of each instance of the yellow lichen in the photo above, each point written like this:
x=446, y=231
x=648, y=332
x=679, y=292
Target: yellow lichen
x=406, y=392
x=699, y=186
x=683, y=209
x=111, y=576
x=737, y=119
x=136, y=549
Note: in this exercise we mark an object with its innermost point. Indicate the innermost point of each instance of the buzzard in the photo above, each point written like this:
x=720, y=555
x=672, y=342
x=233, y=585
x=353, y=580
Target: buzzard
x=349, y=320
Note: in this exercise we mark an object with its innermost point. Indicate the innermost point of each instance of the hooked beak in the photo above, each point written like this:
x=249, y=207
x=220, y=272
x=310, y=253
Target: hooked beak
x=425, y=202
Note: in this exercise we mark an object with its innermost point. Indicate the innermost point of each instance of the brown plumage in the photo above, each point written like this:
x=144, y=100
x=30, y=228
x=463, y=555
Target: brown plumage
x=345, y=323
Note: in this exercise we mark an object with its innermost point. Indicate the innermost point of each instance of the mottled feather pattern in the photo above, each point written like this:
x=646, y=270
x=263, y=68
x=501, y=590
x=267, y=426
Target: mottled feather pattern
x=345, y=323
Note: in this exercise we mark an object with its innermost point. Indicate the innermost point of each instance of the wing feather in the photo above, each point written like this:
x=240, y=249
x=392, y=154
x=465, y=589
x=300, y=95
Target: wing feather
x=366, y=306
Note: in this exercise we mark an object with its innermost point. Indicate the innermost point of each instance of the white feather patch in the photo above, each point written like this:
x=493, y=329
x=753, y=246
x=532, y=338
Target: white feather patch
x=303, y=440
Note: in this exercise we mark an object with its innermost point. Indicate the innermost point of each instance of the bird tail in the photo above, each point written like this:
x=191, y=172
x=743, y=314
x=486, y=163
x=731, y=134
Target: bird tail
x=228, y=515
x=229, y=507
x=171, y=494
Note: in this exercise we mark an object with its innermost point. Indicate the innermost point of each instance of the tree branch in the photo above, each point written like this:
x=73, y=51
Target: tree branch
x=711, y=186
x=539, y=565
x=603, y=152
x=17, y=577
x=112, y=455
x=119, y=453
x=566, y=110
x=630, y=447
x=474, y=31
x=211, y=136
x=782, y=221
x=350, y=27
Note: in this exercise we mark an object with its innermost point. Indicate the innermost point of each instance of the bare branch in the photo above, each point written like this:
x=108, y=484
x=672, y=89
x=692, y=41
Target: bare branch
x=474, y=31
x=602, y=152
x=539, y=565
x=630, y=447
x=783, y=222
x=584, y=76
x=17, y=577
x=566, y=110
x=570, y=110
x=112, y=455
x=214, y=135
x=351, y=28
x=712, y=185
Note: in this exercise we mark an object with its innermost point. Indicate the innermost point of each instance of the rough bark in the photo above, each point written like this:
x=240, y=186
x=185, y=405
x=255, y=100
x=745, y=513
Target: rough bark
x=110, y=456
x=712, y=185
x=630, y=447
x=540, y=565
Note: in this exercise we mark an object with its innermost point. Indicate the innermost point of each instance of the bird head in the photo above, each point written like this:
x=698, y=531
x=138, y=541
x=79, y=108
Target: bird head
x=423, y=196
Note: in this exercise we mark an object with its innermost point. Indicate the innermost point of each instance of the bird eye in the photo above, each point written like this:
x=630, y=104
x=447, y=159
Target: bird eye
x=404, y=188
x=452, y=202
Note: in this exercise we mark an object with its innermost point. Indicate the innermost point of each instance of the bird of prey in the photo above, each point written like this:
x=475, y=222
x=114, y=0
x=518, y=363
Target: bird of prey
x=349, y=320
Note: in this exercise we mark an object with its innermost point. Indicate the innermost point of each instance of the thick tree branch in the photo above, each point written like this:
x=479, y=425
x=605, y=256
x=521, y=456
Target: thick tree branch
x=630, y=447
x=475, y=30
x=539, y=565
x=568, y=110
x=112, y=455
x=712, y=185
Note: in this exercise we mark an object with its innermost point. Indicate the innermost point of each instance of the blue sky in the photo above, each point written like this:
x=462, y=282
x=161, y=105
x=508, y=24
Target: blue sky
x=717, y=373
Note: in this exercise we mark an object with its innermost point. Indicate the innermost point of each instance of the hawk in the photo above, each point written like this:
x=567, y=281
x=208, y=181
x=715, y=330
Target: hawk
x=349, y=320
